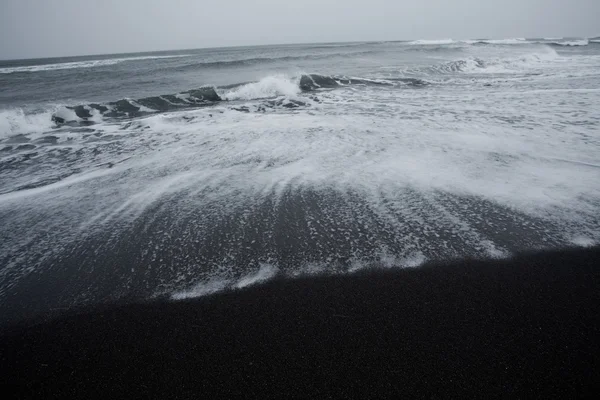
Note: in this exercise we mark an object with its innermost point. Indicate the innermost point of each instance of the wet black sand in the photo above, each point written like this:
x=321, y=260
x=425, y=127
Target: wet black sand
x=177, y=243
x=527, y=327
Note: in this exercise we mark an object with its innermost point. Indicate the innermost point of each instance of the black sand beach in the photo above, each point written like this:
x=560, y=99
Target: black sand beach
x=520, y=328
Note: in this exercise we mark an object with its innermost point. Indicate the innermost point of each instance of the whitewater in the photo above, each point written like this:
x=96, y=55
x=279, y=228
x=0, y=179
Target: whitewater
x=182, y=174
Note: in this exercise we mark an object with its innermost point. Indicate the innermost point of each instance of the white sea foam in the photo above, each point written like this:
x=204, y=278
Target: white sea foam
x=511, y=64
x=95, y=115
x=432, y=42
x=213, y=285
x=8, y=198
x=141, y=107
x=505, y=41
x=80, y=64
x=270, y=86
x=219, y=283
x=59, y=66
x=19, y=122
x=584, y=241
x=579, y=42
x=508, y=41
x=266, y=272
x=411, y=260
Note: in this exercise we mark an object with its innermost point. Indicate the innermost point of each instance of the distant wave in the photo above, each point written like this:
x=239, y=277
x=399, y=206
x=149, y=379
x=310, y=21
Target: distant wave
x=208, y=64
x=469, y=41
x=577, y=42
x=521, y=41
x=79, y=64
x=431, y=42
x=336, y=45
x=509, y=41
x=314, y=82
x=519, y=63
x=267, y=60
x=506, y=41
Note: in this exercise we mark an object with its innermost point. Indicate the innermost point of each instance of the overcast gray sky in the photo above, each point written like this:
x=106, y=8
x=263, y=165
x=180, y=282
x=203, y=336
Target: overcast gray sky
x=44, y=28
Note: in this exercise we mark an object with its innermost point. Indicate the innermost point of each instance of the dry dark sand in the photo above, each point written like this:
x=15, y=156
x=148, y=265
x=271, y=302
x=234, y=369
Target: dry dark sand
x=528, y=327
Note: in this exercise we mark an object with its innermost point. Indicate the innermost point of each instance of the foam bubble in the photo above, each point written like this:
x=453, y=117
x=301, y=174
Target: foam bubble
x=266, y=272
x=213, y=285
x=583, y=241
x=220, y=283
x=411, y=260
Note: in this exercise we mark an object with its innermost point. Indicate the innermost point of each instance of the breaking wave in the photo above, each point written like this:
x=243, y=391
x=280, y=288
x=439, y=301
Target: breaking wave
x=440, y=42
x=271, y=86
x=503, y=41
x=267, y=88
x=90, y=113
x=287, y=89
x=509, y=41
x=432, y=42
x=314, y=82
x=17, y=121
x=496, y=65
x=277, y=91
x=521, y=41
x=571, y=43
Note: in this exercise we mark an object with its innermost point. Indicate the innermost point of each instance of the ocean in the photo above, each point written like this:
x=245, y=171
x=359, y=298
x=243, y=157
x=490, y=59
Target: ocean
x=184, y=173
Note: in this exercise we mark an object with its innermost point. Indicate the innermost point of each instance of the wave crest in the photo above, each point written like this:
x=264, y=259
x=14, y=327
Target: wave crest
x=504, y=41
x=79, y=64
x=315, y=82
x=269, y=87
x=19, y=122
x=424, y=42
x=90, y=113
x=572, y=43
